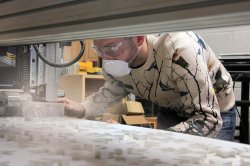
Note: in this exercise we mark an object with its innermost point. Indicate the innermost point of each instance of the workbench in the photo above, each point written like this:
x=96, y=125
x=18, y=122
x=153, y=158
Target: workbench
x=63, y=141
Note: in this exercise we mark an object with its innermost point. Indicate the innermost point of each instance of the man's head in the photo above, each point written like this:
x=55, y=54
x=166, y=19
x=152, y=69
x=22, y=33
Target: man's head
x=124, y=49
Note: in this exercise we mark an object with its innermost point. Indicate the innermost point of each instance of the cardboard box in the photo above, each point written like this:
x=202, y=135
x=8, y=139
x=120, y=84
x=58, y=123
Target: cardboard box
x=134, y=107
x=108, y=116
x=128, y=112
x=134, y=119
x=127, y=108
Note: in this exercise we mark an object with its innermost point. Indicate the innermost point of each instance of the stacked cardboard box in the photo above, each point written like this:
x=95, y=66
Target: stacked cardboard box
x=127, y=112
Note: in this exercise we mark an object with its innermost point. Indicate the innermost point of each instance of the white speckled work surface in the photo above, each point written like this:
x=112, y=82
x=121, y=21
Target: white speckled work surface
x=76, y=142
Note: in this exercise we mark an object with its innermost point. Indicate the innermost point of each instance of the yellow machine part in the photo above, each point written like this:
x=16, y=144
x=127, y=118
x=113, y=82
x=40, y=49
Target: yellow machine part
x=88, y=67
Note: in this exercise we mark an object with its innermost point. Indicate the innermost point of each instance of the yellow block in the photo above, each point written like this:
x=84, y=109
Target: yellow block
x=84, y=66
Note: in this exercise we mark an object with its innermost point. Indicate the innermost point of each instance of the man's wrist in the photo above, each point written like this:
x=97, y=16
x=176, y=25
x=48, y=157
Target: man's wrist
x=81, y=112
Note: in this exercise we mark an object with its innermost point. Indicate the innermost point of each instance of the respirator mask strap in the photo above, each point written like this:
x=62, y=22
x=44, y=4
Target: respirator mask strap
x=133, y=58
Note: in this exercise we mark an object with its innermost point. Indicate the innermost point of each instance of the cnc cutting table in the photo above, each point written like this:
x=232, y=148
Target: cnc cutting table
x=76, y=142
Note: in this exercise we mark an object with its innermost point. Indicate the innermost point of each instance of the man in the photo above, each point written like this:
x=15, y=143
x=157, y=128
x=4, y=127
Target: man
x=176, y=70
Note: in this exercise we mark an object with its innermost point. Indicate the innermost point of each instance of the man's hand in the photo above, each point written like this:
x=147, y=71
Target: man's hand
x=72, y=108
x=112, y=121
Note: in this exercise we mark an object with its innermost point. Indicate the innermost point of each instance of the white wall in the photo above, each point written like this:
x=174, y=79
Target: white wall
x=227, y=40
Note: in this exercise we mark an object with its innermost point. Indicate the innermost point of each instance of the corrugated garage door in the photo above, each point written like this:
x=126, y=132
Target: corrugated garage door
x=36, y=21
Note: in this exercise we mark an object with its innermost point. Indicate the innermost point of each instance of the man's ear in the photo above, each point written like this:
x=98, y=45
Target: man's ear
x=139, y=40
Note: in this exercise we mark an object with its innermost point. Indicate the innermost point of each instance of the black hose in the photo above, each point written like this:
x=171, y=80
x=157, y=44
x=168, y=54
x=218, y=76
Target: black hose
x=62, y=64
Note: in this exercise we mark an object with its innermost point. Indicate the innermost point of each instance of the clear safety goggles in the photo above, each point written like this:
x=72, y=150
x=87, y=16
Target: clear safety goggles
x=111, y=49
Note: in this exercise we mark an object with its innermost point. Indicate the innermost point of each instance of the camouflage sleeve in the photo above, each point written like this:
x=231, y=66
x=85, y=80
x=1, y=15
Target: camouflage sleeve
x=190, y=72
x=112, y=92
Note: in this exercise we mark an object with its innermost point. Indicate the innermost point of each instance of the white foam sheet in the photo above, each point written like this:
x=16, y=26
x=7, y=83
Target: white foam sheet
x=62, y=141
x=32, y=109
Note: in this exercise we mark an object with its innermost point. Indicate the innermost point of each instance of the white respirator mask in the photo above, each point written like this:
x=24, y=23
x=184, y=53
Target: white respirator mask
x=119, y=68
